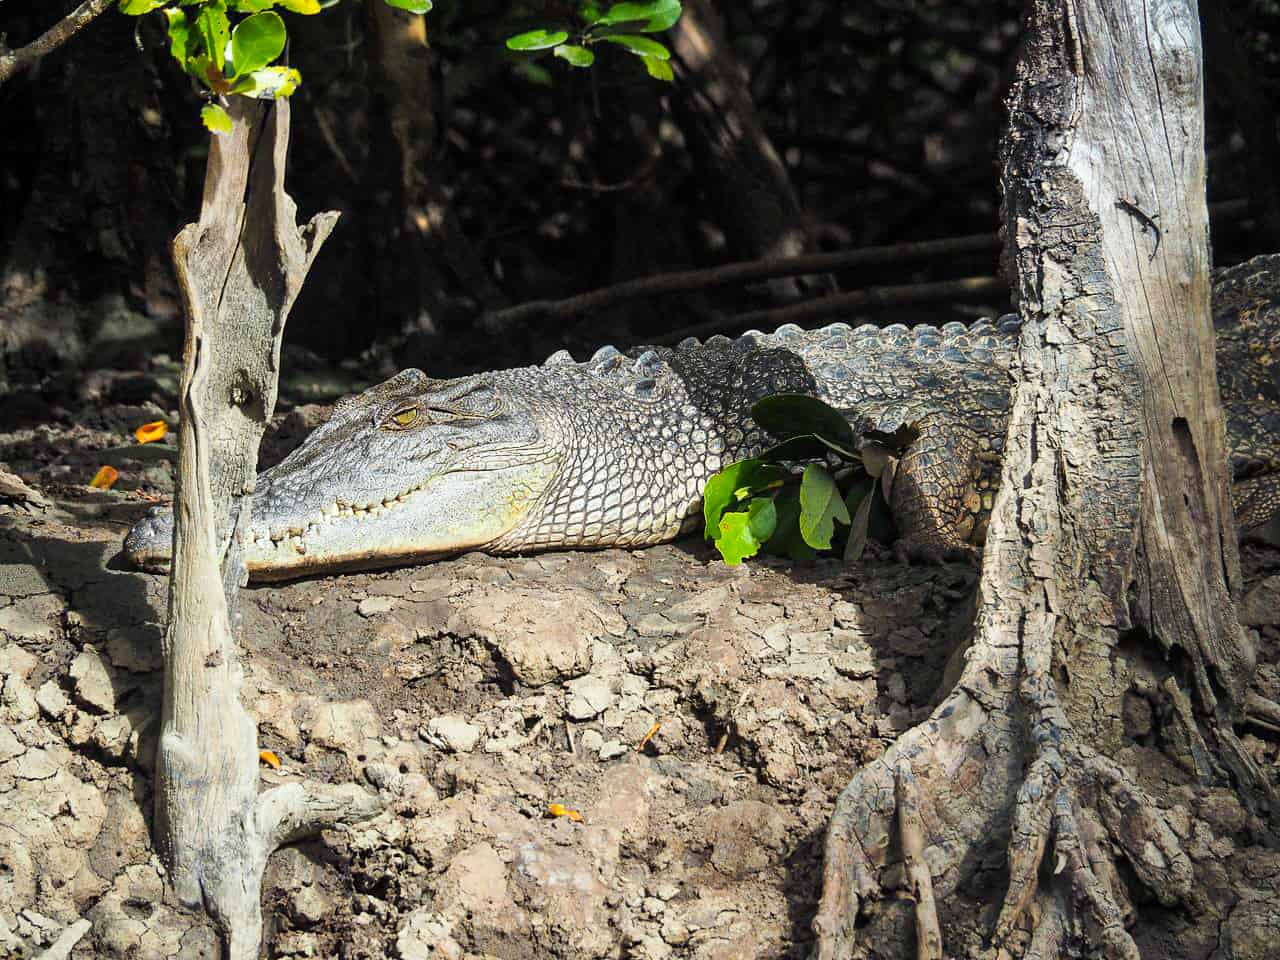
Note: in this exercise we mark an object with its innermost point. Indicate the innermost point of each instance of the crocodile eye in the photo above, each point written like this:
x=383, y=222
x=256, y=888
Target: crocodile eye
x=403, y=418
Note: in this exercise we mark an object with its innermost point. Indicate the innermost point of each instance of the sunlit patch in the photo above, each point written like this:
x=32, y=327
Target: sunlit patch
x=151, y=432
x=105, y=478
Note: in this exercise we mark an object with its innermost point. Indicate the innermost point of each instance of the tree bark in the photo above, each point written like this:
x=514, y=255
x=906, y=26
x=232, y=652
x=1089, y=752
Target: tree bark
x=1113, y=517
x=747, y=183
x=240, y=268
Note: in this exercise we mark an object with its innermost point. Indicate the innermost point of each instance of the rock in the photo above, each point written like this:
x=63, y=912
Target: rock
x=136, y=650
x=93, y=681
x=33, y=619
x=745, y=836
x=611, y=749
x=425, y=936
x=543, y=639
x=310, y=904
x=18, y=699
x=1261, y=605
x=589, y=697
x=857, y=664
x=453, y=733
x=1252, y=931
x=591, y=741
x=372, y=606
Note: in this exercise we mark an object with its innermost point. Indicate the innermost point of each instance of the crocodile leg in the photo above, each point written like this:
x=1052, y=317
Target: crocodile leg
x=935, y=493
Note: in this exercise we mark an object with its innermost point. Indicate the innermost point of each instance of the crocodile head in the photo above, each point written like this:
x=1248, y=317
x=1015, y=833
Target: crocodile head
x=411, y=469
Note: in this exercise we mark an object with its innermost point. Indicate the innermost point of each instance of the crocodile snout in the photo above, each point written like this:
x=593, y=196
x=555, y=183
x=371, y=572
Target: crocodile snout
x=149, y=544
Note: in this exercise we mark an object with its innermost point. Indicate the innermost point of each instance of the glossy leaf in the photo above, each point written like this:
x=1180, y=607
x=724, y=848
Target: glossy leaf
x=742, y=533
x=253, y=6
x=656, y=15
x=786, y=540
x=308, y=7
x=732, y=485
x=256, y=41
x=269, y=83
x=820, y=506
x=640, y=46
x=791, y=414
x=136, y=8
x=179, y=35
x=214, y=32
x=413, y=6
x=659, y=69
x=537, y=40
x=574, y=55
x=216, y=119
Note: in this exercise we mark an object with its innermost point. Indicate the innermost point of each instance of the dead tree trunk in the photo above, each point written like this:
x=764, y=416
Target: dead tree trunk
x=748, y=185
x=1113, y=520
x=240, y=267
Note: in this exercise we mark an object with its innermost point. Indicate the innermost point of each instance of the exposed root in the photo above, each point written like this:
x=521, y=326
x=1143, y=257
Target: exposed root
x=919, y=881
x=1072, y=805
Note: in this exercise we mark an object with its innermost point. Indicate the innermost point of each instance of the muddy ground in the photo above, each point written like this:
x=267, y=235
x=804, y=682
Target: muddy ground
x=700, y=719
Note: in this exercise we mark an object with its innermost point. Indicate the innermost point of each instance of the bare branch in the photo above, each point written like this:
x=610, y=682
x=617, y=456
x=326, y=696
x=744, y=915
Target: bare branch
x=11, y=61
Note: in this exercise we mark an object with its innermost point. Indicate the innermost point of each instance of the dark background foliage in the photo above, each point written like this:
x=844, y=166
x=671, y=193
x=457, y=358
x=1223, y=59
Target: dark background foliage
x=538, y=180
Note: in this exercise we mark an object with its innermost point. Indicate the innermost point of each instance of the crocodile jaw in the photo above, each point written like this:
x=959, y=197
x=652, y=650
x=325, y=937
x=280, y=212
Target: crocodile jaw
x=451, y=513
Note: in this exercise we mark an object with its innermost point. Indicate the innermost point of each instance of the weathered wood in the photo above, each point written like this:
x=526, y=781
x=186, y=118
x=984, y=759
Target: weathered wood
x=1113, y=511
x=240, y=267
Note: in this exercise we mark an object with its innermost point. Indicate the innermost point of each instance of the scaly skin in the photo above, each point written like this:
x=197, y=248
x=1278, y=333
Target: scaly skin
x=616, y=451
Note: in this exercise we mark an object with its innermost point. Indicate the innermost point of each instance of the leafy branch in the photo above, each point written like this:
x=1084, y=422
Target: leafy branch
x=789, y=500
x=233, y=47
x=623, y=25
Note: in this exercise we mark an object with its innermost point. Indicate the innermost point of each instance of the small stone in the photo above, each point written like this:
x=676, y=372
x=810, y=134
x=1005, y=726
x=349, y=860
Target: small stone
x=589, y=697
x=667, y=890
x=591, y=741
x=19, y=700
x=611, y=749
x=135, y=650
x=653, y=906
x=93, y=681
x=453, y=733
x=856, y=664
x=52, y=700
x=309, y=905
x=675, y=932
x=372, y=606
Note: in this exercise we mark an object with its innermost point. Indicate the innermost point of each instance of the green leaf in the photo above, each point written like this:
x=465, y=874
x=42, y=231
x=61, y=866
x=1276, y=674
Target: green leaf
x=413, y=6
x=256, y=41
x=252, y=6
x=788, y=415
x=657, y=15
x=136, y=8
x=786, y=540
x=743, y=533
x=216, y=119
x=640, y=46
x=733, y=484
x=214, y=31
x=308, y=7
x=589, y=11
x=659, y=69
x=537, y=39
x=576, y=56
x=820, y=507
x=268, y=83
x=179, y=34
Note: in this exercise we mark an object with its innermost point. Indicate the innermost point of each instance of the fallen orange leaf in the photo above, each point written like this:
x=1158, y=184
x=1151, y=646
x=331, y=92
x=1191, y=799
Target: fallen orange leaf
x=269, y=758
x=151, y=432
x=560, y=810
x=648, y=736
x=105, y=477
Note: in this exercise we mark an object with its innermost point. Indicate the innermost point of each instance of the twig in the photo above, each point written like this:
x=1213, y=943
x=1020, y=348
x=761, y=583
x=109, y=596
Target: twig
x=843, y=304
x=11, y=61
x=749, y=270
x=742, y=272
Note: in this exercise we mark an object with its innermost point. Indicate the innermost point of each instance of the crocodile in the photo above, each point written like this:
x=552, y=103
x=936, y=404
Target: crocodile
x=615, y=451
